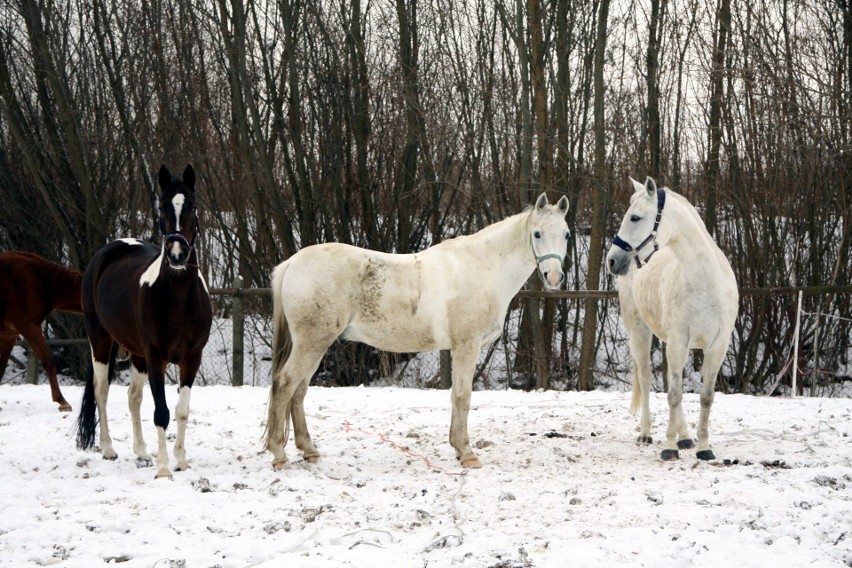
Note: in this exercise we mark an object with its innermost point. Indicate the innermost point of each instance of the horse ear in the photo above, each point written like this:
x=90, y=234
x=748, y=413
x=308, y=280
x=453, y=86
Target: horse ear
x=189, y=177
x=651, y=186
x=541, y=202
x=165, y=177
x=563, y=204
x=637, y=186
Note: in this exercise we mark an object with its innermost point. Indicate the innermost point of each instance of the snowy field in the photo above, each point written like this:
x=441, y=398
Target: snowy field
x=563, y=484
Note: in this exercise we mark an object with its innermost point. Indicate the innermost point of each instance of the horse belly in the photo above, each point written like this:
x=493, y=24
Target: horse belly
x=410, y=335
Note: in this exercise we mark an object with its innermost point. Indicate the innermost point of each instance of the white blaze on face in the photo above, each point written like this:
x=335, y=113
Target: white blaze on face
x=177, y=203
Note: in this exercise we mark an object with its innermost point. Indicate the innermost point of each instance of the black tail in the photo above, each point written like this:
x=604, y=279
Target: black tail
x=87, y=420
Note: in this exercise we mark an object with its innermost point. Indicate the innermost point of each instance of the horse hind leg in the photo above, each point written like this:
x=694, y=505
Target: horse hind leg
x=7, y=343
x=293, y=378
x=138, y=380
x=709, y=372
x=101, y=386
x=677, y=432
x=33, y=335
x=300, y=426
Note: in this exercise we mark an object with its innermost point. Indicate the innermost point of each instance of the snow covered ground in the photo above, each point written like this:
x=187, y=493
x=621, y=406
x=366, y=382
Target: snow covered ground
x=563, y=484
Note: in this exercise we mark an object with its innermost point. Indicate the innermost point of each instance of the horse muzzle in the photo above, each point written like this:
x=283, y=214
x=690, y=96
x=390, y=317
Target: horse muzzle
x=551, y=274
x=618, y=262
x=177, y=250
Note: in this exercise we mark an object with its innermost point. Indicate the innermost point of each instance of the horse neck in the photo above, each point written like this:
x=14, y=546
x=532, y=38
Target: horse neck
x=64, y=285
x=688, y=237
x=507, y=243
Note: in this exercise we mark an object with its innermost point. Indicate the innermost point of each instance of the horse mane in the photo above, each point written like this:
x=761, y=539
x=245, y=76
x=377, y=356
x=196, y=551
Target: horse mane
x=59, y=276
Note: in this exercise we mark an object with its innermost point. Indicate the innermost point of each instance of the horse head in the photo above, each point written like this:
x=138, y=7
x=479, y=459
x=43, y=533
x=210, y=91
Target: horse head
x=548, y=234
x=638, y=229
x=178, y=217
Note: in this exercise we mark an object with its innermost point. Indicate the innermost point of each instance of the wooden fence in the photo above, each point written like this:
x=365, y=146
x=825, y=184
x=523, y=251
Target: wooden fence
x=237, y=295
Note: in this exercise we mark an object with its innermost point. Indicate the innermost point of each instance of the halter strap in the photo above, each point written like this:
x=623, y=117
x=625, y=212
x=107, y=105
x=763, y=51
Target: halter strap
x=542, y=258
x=625, y=246
x=181, y=238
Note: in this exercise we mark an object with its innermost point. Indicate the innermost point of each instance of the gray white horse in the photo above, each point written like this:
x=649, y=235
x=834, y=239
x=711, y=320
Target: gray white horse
x=674, y=282
x=453, y=295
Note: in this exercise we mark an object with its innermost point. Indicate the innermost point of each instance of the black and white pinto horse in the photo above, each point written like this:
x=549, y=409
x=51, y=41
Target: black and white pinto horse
x=674, y=282
x=152, y=302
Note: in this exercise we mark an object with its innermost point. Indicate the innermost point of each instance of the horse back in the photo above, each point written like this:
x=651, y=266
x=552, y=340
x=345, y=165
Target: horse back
x=31, y=287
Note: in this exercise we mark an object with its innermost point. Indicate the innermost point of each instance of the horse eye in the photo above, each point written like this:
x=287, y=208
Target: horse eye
x=567, y=236
x=537, y=234
x=634, y=218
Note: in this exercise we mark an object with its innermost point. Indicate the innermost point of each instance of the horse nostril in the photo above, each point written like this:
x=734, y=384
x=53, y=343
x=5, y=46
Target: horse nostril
x=611, y=262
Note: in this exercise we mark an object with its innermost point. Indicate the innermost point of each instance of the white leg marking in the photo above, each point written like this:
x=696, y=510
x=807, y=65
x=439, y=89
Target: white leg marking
x=182, y=416
x=138, y=380
x=101, y=384
x=162, y=455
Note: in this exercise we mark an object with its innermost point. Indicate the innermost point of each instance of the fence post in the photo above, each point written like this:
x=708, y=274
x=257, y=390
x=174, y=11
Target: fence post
x=32, y=368
x=237, y=319
x=796, y=344
x=446, y=372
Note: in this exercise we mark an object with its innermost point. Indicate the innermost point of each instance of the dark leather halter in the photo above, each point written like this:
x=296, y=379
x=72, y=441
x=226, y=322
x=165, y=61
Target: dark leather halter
x=625, y=246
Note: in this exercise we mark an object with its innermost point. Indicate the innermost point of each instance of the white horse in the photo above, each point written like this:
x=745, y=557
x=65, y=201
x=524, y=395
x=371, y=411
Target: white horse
x=683, y=291
x=453, y=295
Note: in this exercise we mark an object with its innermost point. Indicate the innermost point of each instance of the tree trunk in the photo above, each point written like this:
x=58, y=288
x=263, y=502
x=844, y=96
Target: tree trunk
x=589, y=347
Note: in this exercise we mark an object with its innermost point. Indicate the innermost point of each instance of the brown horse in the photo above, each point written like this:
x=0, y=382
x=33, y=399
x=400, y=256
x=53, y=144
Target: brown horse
x=31, y=287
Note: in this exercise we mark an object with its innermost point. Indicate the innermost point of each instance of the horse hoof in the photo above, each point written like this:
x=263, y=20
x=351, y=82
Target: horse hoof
x=111, y=457
x=669, y=455
x=705, y=455
x=163, y=474
x=184, y=467
x=312, y=459
x=686, y=444
x=644, y=440
x=279, y=463
x=64, y=407
x=471, y=463
x=144, y=462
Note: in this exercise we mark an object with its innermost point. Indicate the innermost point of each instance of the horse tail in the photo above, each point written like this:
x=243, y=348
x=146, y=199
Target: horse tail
x=282, y=346
x=637, y=391
x=87, y=420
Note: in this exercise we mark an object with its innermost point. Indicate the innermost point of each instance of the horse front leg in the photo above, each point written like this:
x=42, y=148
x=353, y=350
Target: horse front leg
x=138, y=378
x=156, y=380
x=677, y=434
x=182, y=417
x=463, y=367
x=188, y=370
x=640, y=349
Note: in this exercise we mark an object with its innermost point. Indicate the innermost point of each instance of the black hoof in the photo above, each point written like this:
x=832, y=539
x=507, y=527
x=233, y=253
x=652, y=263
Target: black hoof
x=686, y=444
x=669, y=455
x=705, y=455
x=111, y=458
x=644, y=440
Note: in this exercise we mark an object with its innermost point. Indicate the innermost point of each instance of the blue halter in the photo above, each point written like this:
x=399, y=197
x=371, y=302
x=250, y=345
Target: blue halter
x=625, y=246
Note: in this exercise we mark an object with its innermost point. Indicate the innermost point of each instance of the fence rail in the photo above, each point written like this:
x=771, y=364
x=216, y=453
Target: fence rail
x=234, y=365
